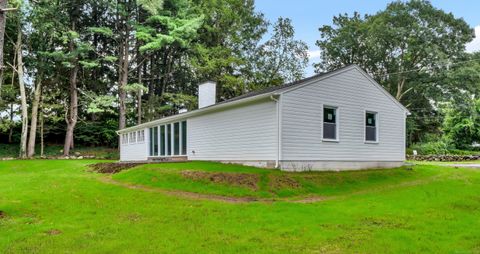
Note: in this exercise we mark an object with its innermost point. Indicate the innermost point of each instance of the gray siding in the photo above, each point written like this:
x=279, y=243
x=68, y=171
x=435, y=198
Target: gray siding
x=352, y=93
x=247, y=132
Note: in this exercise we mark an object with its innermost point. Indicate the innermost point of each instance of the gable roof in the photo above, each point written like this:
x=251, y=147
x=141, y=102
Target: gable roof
x=261, y=94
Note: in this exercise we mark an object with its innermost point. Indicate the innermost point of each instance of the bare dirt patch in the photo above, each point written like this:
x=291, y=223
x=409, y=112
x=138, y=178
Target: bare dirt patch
x=249, y=181
x=53, y=232
x=3, y=215
x=112, y=168
x=278, y=182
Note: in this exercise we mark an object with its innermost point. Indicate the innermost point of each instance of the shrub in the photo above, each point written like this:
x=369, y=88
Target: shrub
x=433, y=147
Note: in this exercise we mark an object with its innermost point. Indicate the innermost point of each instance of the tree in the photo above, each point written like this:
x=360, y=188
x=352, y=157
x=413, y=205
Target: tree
x=282, y=58
x=462, y=123
x=3, y=21
x=23, y=95
x=403, y=47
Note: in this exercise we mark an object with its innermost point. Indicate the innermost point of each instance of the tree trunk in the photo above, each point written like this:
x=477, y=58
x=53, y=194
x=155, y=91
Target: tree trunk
x=139, y=96
x=23, y=96
x=123, y=80
x=3, y=19
x=33, y=124
x=41, y=133
x=10, y=133
x=72, y=115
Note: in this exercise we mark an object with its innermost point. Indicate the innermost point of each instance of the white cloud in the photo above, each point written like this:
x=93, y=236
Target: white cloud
x=475, y=44
x=313, y=54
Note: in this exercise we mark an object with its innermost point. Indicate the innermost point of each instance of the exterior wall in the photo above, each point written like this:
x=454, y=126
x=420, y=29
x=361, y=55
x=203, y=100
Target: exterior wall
x=337, y=165
x=243, y=133
x=135, y=152
x=353, y=94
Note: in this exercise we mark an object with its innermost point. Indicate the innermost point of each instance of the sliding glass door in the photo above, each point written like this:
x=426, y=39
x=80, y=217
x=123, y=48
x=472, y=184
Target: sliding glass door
x=168, y=140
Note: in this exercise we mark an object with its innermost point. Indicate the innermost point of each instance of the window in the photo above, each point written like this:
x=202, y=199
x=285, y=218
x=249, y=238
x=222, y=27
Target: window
x=141, y=136
x=169, y=139
x=154, y=141
x=184, y=137
x=162, y=140
x=133, y=137
x=176, y=138
x=124, y=139
x=371, y=130
x=330, y=123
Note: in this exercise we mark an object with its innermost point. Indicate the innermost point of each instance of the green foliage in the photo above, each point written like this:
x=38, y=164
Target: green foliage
x=152, y=6
x=433, y=147
x=281, y=59
x=136, y=88
x=179, y=29
x=97, y=133
x=101, y=103
x=406, y=48
x=462, y=123
x=105, y=31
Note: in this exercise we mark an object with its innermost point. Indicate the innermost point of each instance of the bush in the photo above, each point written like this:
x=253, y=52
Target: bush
x=434, y=147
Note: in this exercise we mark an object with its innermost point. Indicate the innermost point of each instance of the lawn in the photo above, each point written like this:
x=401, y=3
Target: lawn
x=59, y=206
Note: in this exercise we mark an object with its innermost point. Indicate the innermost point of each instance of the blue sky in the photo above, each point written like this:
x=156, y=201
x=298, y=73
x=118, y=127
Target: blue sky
x=308, y=15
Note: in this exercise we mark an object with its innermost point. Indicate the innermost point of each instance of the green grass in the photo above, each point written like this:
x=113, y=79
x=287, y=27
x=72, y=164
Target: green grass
x=168, y=176
x=12, y=150
x=438, y=212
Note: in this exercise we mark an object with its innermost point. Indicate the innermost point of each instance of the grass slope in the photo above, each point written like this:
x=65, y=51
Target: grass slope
x=12, y=150
x=57, y=206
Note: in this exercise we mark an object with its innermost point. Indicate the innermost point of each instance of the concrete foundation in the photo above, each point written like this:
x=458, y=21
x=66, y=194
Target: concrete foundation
x=336, y=165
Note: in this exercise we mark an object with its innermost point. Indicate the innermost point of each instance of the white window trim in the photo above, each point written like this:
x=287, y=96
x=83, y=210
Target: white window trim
x=337, y=124
x=377, y=127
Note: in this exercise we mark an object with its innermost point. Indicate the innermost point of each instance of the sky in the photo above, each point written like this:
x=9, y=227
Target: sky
x=308, y=15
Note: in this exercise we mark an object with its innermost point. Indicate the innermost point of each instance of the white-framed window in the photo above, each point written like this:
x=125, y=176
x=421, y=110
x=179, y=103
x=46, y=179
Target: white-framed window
x=133, y=137
x=168, y=139
x=141, y=136
x=330, y=123
x=124, y=139
x=371, y=127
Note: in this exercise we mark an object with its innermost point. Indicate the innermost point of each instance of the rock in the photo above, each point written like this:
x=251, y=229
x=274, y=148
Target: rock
x=80, y=157
x=77, y=154
x=443, y=157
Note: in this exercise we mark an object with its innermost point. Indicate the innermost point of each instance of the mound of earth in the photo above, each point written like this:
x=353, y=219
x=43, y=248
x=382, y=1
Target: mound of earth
x=112, y=168
x=277, y=182
x=249, y=181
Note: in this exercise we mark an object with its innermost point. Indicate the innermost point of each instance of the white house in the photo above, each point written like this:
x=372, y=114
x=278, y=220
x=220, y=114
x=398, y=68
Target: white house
x=337, y=120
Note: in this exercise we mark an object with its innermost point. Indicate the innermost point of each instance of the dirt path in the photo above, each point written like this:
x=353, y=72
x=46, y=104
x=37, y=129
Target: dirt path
x=242, y=200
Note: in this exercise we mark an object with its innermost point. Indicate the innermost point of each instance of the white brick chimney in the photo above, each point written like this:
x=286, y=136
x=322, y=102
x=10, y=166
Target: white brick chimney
x=207, y=93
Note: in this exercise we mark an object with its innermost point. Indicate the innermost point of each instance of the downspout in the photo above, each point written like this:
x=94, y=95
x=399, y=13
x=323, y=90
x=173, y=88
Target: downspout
x=277, y=160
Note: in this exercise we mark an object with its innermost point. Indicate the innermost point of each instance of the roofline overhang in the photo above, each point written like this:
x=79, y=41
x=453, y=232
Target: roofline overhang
x=197, y=112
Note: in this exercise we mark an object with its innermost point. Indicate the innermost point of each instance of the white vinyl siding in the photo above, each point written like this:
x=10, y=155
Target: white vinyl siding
x=137, y=151
x=353, y=94
x=247, y=132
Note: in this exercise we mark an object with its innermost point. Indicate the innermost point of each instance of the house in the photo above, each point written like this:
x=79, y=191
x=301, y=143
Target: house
x=337, y=120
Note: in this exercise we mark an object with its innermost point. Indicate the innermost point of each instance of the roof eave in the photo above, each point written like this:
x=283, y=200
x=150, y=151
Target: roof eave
x=195, y=112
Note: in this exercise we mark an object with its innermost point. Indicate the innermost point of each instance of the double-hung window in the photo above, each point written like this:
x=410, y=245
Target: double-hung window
x=371, y=126
x=330, y=123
